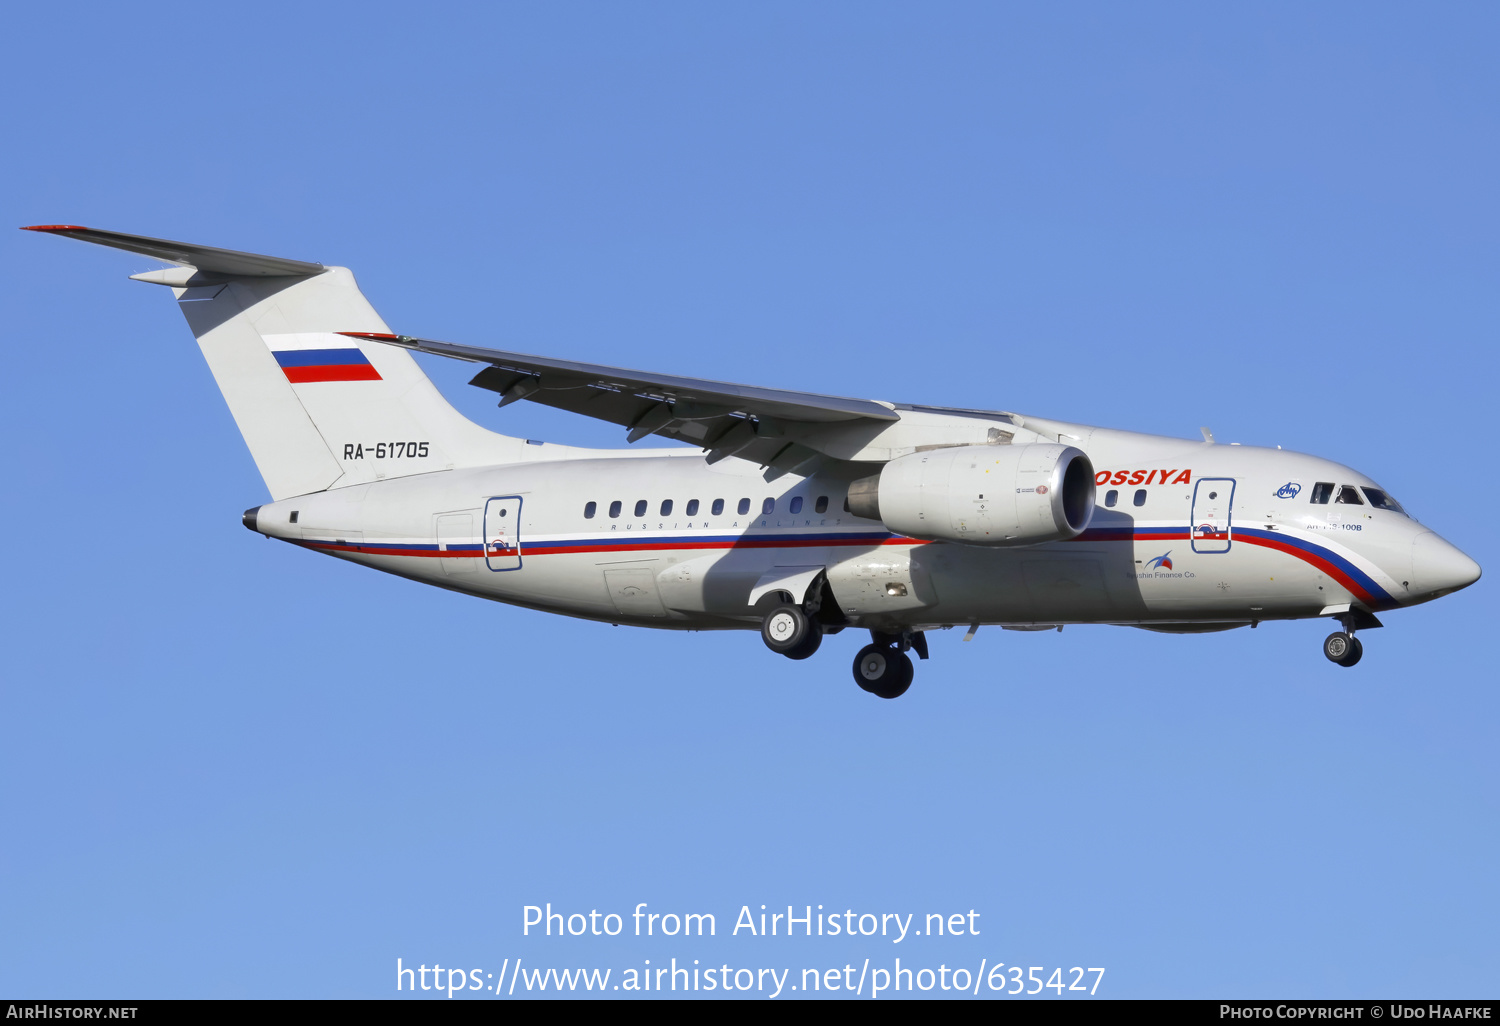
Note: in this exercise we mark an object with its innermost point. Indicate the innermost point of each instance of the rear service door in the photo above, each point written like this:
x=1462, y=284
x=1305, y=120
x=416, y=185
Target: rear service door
x=502, y=533
x=1213, y=499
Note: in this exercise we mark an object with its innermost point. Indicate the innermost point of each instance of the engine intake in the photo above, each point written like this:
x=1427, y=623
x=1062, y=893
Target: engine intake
x=982, y=494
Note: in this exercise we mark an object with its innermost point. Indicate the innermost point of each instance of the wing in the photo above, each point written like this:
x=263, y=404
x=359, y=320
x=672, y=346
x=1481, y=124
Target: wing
x=760, y=424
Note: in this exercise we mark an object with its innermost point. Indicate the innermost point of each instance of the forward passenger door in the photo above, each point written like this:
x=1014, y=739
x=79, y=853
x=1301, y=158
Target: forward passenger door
x=1213, y=501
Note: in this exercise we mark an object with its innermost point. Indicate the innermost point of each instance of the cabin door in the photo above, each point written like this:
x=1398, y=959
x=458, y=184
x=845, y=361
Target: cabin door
x=502, y=533
x=1213, y=499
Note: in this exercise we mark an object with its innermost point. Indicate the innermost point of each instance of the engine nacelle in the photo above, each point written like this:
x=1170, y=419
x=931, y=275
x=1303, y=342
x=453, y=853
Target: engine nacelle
x=982, y=494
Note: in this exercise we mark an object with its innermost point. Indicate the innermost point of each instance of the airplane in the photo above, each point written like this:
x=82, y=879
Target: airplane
x=792, y=513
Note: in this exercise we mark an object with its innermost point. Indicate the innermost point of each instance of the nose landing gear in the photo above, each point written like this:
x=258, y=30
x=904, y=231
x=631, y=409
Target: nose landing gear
x=1341, y=648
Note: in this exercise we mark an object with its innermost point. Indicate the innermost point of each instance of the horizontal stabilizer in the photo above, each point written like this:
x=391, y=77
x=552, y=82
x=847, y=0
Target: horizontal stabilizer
x=207, y=259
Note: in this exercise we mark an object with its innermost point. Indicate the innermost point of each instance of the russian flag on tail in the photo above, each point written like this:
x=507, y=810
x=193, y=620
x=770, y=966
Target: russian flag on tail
x=304, y=365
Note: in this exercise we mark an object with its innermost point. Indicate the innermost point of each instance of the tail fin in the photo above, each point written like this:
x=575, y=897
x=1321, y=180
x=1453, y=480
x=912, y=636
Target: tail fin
x=318, y=409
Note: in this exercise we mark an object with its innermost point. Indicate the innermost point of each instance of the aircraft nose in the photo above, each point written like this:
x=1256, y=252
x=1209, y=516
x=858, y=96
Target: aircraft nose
x=1438, y=568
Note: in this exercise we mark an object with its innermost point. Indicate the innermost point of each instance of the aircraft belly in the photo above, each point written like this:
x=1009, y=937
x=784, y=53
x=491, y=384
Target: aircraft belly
x=1067, y=588
x=1117, y=582
x=893, y=584
x=719, y=583
x=888, y=582
x=1060, y=583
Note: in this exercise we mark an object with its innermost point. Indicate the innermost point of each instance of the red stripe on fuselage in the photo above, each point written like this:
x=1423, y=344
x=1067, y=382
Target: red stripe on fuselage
x=542, y=549
x=1311, y=558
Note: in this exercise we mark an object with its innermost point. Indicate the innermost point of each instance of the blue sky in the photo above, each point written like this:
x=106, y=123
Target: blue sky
x=234, y=769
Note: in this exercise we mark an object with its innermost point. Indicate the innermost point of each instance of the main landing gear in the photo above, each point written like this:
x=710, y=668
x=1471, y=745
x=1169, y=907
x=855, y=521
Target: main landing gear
x=791, y=632
x=882, y=667
x=883, y=671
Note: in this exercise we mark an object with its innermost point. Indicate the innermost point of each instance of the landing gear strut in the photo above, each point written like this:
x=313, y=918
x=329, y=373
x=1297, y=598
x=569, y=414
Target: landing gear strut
x=883, y=668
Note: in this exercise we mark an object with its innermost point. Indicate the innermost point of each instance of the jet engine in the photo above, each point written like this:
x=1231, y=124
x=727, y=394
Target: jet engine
x=982, y=494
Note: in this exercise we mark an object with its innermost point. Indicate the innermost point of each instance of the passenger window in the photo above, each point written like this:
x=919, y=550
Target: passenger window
x=1349, y=496
x=692, y=507
x=744, y=506
x=640, y=507
x=614, y=508
x=1111, y=497
x=1140, y=497
x=1322, y=492
x=769, y=506
x=589, y=510
x=797, y=504
x=821, y=506
x=666, y=507
x=718, y=507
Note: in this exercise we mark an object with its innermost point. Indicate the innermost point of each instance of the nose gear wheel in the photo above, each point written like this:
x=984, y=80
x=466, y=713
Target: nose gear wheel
x=1344, y=649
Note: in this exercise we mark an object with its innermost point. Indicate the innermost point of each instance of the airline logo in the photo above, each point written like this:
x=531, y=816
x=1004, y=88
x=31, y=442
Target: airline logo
x=1161, y=562
x=1143, y=477
x=303, y=365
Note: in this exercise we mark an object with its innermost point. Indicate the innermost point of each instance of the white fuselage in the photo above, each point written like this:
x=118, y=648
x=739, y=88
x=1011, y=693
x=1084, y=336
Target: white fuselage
x=1197, y=536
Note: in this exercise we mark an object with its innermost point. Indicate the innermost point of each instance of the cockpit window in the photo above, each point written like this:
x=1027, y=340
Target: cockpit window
x=1380, y=500
x=1322, y=492
x=1349, y=496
